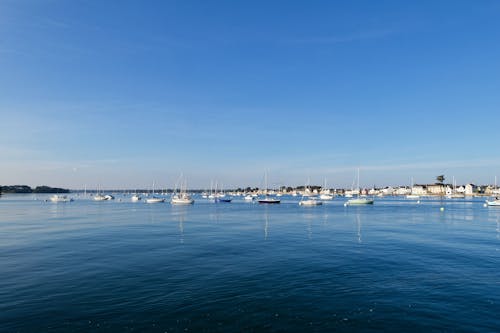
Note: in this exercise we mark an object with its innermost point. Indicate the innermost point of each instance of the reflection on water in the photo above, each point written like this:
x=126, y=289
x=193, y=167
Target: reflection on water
x=358, y=223
x=179, y=214
x=266, y=222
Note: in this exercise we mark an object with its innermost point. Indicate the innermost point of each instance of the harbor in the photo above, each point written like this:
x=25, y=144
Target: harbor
x=129, y=266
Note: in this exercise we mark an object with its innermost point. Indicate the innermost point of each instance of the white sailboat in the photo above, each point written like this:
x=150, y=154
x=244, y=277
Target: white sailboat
x=309, y=200
x=154, y=199
x=100, y=196
x=181, y=197
x=359, y=200
x=412, y=196
x=267, y=199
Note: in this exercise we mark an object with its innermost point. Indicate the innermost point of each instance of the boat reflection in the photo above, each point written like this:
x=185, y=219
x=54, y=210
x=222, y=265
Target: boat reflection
x=179, y=214
x=358, y=224
x=266, y=222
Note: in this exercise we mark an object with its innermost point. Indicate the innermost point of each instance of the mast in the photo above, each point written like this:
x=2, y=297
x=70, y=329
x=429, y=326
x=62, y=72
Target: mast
x=359, y=190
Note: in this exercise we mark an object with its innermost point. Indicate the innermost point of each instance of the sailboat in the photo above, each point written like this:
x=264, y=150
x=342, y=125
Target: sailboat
x=267, y=199
x=325, y=193
x=359, y=200
x=496, y=200
x=412, y=196
x=101, y=197
x=181, y=197
x=311, y=200
x=454, y=194
x=154, y=199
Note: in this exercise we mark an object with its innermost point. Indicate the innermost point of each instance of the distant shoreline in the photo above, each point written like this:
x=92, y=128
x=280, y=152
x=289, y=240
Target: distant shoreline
x=25, y=189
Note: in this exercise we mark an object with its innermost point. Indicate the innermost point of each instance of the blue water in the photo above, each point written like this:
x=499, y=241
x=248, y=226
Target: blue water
x=396, y=266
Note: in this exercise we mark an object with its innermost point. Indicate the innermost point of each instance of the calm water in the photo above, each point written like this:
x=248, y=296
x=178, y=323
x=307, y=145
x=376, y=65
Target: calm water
x=116, y=266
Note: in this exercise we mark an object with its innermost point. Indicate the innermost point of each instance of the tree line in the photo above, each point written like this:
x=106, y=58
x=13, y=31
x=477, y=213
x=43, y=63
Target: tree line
x=27, y=189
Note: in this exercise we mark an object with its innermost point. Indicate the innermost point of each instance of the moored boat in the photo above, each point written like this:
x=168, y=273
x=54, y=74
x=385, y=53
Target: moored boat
x=495, y=202
x=155, y=200
x=360, y=201
x=310, y=202
x=326, y=196
x=181, y=199
x=60, y=198
x=269, y=200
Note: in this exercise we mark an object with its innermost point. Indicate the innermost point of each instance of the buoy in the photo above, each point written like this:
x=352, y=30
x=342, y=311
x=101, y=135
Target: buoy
x=441, y=209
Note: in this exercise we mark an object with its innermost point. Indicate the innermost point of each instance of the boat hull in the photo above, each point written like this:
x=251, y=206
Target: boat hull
x=182, y=201
x=360, y=201
x=269, y=201
x=155, y=200
x=310, y=203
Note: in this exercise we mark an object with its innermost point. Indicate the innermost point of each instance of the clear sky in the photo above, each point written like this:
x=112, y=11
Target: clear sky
x=124, y=93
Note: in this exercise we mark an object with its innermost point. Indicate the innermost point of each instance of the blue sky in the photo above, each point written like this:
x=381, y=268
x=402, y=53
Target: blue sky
x=125, y=93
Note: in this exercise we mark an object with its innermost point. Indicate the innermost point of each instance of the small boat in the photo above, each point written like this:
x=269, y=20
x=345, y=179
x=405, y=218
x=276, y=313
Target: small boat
x=155, y=200
x=495, y=202
x=60, y=198
x=326, y=196
x=325, y=193
x=248, y=198
x=181, y=199
x=310, y=202
x=269, y=200
x=223, y=200
x=135, y=198
x=359, y=201
x=100, y=197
